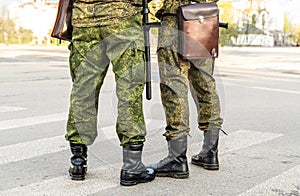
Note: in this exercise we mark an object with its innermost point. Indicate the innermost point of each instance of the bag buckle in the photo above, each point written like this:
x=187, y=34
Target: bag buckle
x=201, y=19
x=214, y=53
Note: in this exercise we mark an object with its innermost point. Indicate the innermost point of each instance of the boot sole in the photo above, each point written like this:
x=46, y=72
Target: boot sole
x=132, y=183
x=78, y=176
x=207, y=166
x=75, y=177
x=177, y=175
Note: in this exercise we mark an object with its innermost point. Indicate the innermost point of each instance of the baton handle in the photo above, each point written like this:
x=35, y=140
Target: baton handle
x=223, y=25
x=146, y=28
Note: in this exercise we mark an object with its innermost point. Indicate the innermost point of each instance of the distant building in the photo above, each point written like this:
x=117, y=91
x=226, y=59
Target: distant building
x=37, y=15
x=262, y=22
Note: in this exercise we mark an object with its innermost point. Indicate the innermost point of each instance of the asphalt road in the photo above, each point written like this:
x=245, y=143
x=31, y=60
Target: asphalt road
x=259, y=90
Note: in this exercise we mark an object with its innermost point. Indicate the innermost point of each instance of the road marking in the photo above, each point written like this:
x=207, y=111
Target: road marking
x=288, y=183
x=10, y=109
x=22, y=122
x=261, y=74
x=276, y=90
x=27, y=150
x=245, y=138
x=97, y=180
x=240, y=139
x=264, y=88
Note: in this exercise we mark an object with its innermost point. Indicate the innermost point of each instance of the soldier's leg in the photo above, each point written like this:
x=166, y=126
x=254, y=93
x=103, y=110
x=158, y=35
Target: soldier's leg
x=203, y=87
x=130, y=78
x=88, y=66
x=128, y=65
x=131, y=129
x=174, y=93
x=173, y=81
x=174, y=96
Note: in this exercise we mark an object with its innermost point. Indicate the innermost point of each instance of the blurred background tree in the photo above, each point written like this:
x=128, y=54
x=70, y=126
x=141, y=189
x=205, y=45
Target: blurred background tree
x=10, y=34
x=297, y=36
x=291, y=32
x=25, y=35
x=226, y=15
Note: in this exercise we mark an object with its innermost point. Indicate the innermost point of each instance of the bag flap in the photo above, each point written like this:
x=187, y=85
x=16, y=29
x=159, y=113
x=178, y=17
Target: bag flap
x=194, y=11
x=62, y=28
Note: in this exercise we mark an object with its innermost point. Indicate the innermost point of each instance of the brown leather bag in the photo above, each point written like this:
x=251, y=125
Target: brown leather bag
x=198, y=26
x=63, y=27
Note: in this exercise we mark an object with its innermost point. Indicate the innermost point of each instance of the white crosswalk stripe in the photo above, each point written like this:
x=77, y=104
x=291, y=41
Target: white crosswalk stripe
x=16, y=123
x=287, y=183
x=245, y=138
x=10, y=109
x=62, y=185
x=27, y=150
x=97, y=180
x=264, y=88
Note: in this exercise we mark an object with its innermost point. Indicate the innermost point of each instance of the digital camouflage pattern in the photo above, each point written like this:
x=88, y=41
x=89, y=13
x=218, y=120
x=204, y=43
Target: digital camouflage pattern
x=91, y=51
x=88, y=13
x=176, y=76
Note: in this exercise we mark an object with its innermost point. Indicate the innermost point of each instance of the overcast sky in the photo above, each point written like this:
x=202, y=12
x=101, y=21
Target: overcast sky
x=292, y=8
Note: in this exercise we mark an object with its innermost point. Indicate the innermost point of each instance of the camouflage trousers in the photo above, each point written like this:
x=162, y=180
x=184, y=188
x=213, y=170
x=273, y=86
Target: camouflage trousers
x=176, y=76
x=91, y=51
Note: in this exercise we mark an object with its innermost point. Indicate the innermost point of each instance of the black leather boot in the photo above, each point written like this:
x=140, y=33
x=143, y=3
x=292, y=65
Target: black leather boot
x=133, y=170
x=208, y=156
x=78, y=166
x=175, y=164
